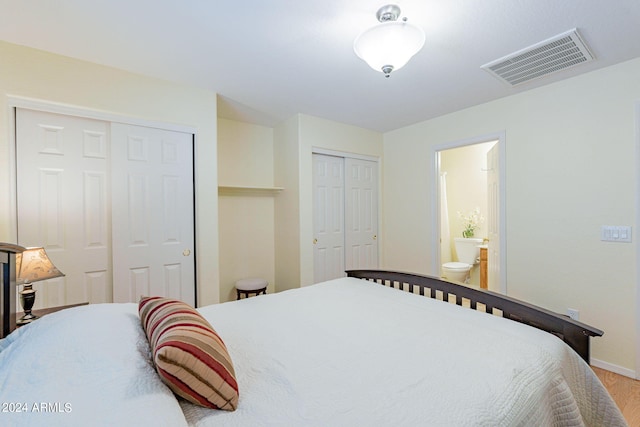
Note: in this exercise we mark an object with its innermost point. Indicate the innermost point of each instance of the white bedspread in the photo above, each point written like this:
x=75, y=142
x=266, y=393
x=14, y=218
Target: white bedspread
x=340, y=353
x=349, y=353
x=86, y=366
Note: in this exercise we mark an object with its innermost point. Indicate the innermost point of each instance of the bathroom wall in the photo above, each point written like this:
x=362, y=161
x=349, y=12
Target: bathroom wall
x=466, y=190
x=466, y=183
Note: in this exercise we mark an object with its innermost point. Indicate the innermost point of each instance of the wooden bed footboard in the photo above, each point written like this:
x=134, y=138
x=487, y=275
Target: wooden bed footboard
x=575, y=334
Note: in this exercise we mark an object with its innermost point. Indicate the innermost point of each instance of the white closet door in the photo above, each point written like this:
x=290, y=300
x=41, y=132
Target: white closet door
x=361, y=218
x=153, y=215
x=63, y=205
x=345, y=192
x=328, y=218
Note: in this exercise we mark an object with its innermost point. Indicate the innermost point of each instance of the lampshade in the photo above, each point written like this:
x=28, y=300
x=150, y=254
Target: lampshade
x=389, y=45
x=34, y=265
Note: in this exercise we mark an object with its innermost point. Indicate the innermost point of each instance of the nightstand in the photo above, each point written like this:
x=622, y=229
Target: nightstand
x=45, y=311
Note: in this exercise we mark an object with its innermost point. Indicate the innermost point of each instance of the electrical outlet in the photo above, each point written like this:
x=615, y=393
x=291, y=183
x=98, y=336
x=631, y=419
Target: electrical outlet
x=573, y=313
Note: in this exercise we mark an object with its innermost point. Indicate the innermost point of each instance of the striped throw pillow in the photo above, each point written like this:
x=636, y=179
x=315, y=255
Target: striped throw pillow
x=188, y=354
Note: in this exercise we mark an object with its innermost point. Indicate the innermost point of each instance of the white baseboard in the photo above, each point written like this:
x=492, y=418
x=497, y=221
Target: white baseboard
x=614, y=368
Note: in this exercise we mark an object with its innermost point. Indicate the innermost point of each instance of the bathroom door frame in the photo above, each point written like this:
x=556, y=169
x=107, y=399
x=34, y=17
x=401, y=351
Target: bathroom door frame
x=435, y=199
x=637, y=239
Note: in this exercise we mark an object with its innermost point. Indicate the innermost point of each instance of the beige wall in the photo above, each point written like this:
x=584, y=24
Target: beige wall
x=571, y=165
x=301, y=135
x=570, y=168
x=247, y=233
x=245, y=154
x=287, y=204
x=324, y=134
x=60, y=80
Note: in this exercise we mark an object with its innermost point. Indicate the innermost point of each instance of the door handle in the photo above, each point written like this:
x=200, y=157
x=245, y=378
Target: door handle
x=186, y=252
x=315, y=241
x=375, y=237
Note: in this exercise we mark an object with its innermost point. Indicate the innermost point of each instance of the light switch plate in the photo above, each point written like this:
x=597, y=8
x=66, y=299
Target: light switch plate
x=616, y=233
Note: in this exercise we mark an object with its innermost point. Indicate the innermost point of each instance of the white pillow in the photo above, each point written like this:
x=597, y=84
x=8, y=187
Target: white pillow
x=88, y=365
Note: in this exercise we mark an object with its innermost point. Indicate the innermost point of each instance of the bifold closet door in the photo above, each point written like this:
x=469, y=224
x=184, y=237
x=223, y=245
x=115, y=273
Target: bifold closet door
x=328, y=217
x=345, y=215
x=112, y=204
x=153, y=214
x=62, y=167
x=361, y=214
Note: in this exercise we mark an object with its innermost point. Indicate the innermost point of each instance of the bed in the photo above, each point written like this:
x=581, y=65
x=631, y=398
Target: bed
x=375, y=348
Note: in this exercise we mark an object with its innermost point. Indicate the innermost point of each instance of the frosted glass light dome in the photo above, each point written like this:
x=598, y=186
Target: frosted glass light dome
x=389, y=45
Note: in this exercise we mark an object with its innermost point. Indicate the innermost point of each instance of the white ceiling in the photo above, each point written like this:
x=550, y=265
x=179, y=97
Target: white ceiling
x=271, y=59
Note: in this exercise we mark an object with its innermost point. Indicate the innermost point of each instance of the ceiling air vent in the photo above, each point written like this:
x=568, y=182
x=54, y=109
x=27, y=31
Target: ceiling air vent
x=555, y=54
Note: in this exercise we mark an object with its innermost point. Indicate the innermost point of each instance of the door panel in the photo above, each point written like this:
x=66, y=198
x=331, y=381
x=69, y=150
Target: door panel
x=328, y=221
x=361, y=214
x=67, y=202
x=62, y=196
x=153, y=225
x=345, y=215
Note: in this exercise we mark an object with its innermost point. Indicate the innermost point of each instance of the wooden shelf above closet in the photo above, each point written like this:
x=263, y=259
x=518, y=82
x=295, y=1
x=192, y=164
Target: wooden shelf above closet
x=230, y=190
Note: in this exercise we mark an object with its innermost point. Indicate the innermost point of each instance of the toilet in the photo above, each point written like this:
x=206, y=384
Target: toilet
x=468, y=255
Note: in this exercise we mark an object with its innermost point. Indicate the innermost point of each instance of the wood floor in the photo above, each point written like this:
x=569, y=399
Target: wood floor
x=625, y=392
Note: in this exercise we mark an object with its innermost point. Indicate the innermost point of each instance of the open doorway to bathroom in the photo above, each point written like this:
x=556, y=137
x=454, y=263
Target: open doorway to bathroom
x=469, y=195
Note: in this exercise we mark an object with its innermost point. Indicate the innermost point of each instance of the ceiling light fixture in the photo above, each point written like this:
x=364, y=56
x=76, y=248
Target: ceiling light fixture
x=389, y=45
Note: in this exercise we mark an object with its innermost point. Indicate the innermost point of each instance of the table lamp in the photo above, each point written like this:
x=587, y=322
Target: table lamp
x=32, y=265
